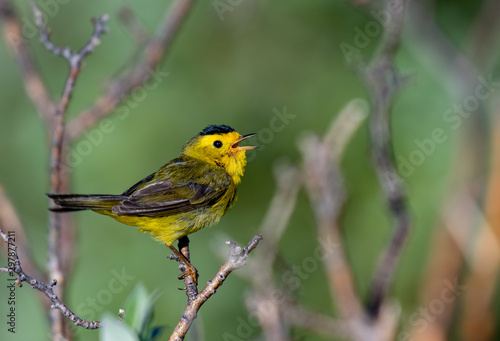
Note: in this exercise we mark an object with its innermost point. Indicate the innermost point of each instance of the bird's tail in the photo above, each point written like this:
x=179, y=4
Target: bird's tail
x=77, y=202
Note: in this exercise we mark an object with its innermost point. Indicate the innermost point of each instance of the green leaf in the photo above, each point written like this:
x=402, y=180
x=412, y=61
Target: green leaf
x=139, y=311
x=114, y=329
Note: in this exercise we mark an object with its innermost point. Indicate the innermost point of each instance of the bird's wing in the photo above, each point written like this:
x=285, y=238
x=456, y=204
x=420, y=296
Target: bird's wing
x=167, y=197
x=135, y=187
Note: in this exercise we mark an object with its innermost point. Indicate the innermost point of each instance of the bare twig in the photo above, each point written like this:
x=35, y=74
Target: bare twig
x=276, y=319
x=261, y=274
x=74, y=59
x=118, y=89
x=478, y=320
x=445, y=265
x=58, y=177
x=324, y=186
x=236, y=259
x=325, y=190
x=382, y=82
x=266, y=307
x=481, y=51
x=33, y=83
x=46, y=289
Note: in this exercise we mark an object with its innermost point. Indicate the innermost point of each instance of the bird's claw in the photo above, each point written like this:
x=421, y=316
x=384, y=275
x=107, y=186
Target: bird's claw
x=189, y=272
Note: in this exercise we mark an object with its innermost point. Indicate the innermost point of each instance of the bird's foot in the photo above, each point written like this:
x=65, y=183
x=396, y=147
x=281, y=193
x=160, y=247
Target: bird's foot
x=188, y=270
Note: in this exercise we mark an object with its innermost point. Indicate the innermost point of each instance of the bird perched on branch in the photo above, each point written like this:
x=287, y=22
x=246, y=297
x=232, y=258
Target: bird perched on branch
x=188, y=193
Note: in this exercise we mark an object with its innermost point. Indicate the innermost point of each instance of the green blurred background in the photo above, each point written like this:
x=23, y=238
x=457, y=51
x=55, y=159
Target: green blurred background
x=263, y=57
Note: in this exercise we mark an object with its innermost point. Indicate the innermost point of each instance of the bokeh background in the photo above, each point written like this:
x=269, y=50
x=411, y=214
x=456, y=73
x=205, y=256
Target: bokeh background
x=240, y=68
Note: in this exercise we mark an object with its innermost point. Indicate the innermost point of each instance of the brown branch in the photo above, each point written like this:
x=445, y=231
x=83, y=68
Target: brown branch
x=33, y=83
x=15, y=267
x=481, y=47
x=382, y=82
x=60, y=252
x=273, y=226
x=275, y=324
x=264, y=305
x=118, y=89
x=74, y=59
x=277, y=320
x=324, y=186
x=236, y=259
x=445, y=264
x=478, y=320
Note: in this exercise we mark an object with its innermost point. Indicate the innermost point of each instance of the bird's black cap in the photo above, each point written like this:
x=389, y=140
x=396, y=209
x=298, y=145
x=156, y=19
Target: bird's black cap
x=216, y=129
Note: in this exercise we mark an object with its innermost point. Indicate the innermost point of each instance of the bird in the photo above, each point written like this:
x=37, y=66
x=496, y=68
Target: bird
x=185, y=195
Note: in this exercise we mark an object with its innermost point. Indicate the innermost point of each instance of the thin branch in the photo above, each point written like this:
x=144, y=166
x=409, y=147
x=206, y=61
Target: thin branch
x=236, y=259
x=60, y=252
x=266, y=308
x=118, y=89
x=33, y=83
x=481, y=50
x=324, y=186
x=445, y=264
x=478, y=320
x=46, y=289
x=273, y=226
x=382, y=82
x=74, y=59
x=276, y=322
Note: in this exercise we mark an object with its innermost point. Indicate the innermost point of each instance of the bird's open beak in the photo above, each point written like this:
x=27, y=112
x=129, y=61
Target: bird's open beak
x=236, y=144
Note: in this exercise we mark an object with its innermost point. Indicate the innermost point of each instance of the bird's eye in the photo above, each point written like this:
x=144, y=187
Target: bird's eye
x=217, y=144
